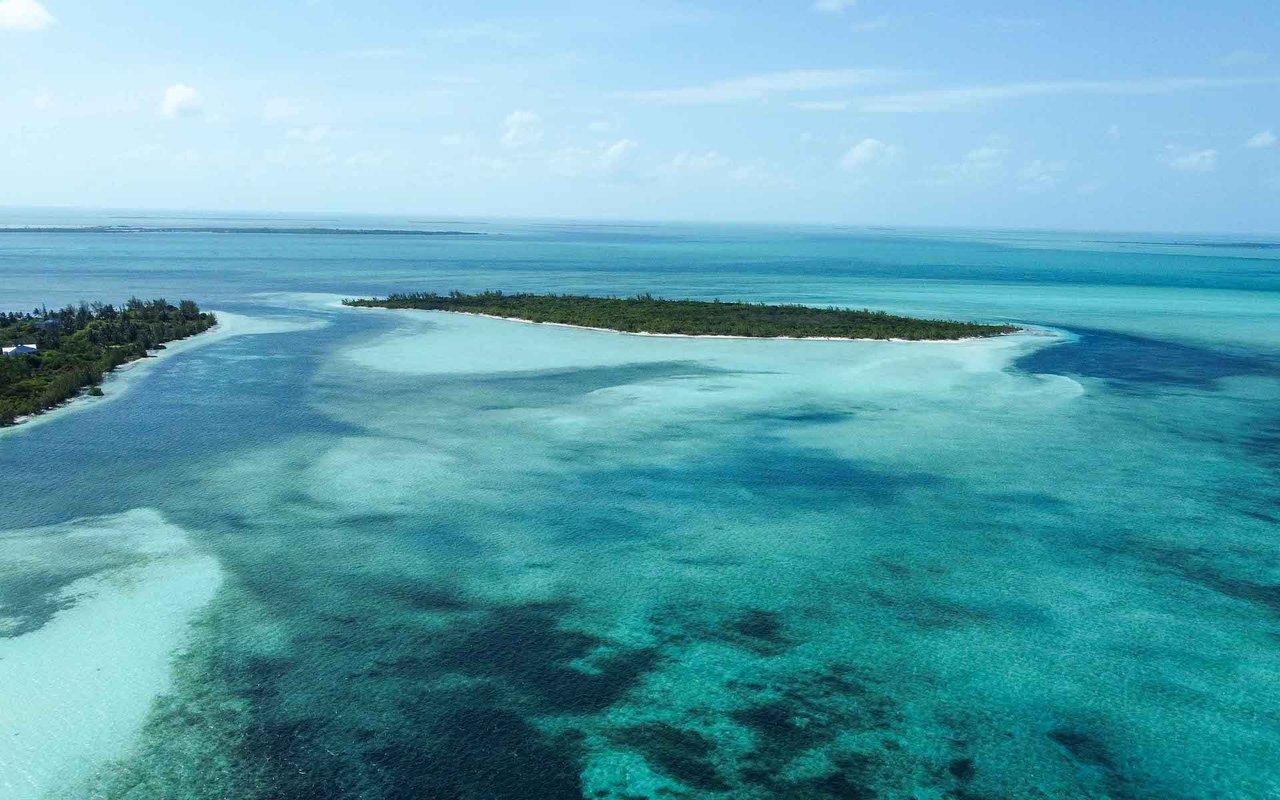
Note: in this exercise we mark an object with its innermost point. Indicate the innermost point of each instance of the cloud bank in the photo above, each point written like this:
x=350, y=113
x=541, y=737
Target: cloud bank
x=180, y=100
x=24, y=15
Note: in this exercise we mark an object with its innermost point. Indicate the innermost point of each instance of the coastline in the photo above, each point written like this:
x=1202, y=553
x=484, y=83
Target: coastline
x=117, y=382
x=119, y=378
x=1020, y=331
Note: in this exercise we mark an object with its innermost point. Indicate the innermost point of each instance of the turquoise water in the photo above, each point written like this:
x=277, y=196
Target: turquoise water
x=367, y=554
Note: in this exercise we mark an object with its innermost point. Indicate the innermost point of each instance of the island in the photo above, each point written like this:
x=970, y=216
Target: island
x=653, y=315
x=51, y=356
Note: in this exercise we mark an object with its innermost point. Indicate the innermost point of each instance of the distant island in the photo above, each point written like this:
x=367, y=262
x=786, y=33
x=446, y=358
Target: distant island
x=647, y=314
x=51, y=356
x=311, y=231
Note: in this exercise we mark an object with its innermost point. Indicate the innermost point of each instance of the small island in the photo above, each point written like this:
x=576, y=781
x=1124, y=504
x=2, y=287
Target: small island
x=51, y=356
x=652, y=315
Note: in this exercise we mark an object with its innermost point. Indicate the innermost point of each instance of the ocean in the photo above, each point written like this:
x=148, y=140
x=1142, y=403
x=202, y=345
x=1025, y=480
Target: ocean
x=355, y=553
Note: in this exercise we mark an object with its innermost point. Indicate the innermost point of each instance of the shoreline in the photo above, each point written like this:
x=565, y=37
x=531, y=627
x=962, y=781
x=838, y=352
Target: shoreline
x=1019, y=332
x=121, y=374
x=117, y=382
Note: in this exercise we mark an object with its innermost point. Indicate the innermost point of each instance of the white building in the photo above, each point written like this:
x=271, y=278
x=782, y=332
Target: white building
x=20, y=350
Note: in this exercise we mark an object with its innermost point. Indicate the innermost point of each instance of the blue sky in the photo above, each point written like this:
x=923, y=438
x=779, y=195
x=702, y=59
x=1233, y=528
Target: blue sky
x=1129, y=114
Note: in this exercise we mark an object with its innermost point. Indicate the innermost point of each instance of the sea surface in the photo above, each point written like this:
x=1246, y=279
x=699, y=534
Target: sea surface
x=349, y=553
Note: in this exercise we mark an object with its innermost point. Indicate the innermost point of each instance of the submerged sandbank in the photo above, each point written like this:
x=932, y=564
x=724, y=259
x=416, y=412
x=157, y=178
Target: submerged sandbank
x=78, y=687
x=450, y=342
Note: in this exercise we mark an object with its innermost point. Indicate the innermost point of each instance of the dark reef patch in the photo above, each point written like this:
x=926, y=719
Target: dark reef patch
x=681, y=754
x=526, y=647
x=943, y=613
x=1126, y=359
x=1098, y=764
x=761, y=464
x=1196, y=568
x=1083, y=748
x=419, y=597
x=771, y=466
x=806, y=416
x=1263, y=444
x=851, y=780
x=478, y=754
x=962, y=769
x=757, y=630
x=808, y=714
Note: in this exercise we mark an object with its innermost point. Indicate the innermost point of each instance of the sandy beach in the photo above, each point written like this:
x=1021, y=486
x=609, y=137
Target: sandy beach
x=118, y=382
x=1020, y=331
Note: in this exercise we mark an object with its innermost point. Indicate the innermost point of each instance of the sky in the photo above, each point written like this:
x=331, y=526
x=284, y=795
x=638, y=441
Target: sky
x=1115, y=114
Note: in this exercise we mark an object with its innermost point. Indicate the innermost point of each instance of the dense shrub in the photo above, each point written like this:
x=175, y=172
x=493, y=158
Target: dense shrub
x=80, y=344
x=648, y=314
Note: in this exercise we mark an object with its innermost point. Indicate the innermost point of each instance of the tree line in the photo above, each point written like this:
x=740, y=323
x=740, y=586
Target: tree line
x=648, y=314
x=79, y=344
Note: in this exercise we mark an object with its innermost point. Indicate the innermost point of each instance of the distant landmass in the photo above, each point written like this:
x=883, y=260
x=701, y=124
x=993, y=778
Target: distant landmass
x=653, y=315
x=234, y=229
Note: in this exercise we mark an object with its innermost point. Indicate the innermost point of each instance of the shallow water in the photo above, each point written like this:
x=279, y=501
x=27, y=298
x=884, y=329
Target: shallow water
x=451, y=557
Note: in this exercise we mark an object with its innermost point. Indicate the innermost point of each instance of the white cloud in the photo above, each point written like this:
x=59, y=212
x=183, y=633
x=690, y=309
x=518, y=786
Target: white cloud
x=833, y=6
x=864, y=154
x=972, y=97
x=600, y=126
x=604, y=159
x=760, y=87
x=617, y=152
x=521, y=129
x=453, y=140
x=713, y=166
x=24, y=15
x=42, y=102
x=1184, y=159
x=180, y=100
x=979, y=164
x=1042, y=174
x=985, y=158
x=1261, y=140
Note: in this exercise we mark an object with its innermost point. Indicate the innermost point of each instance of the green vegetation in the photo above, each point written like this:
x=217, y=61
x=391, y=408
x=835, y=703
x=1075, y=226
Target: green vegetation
x=647, y=314
x=79, y=345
